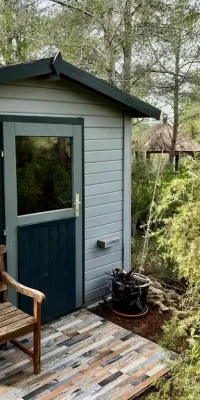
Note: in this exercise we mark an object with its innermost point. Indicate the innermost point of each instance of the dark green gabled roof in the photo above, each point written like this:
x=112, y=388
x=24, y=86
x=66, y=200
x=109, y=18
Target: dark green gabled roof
x=57, y=66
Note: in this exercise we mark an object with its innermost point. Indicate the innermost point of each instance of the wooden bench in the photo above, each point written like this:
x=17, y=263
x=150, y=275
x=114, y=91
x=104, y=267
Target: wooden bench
x=14, y=322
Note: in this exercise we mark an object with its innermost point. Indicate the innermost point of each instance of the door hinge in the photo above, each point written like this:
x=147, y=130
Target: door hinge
x=4, y=232
x=2, y=154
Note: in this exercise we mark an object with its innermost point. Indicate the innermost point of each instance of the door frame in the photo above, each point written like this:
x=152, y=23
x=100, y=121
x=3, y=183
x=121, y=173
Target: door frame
x=80, y=300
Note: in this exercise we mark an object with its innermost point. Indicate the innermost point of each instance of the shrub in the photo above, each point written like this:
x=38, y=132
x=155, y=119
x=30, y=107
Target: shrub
x=178, y=235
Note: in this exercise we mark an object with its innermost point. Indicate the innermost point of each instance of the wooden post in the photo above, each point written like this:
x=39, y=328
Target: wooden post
x=37, y=337
x=176, y=161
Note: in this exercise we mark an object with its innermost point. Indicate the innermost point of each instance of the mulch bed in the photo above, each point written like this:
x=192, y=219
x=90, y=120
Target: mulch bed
x=149, y=326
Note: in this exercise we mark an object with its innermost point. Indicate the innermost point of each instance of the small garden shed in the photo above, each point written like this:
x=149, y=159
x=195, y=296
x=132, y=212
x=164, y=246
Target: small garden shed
x=65, y=180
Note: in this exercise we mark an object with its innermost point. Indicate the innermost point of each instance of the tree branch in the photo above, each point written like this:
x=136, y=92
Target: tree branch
x=138, y=122
x=87, y=13
x=63, y=4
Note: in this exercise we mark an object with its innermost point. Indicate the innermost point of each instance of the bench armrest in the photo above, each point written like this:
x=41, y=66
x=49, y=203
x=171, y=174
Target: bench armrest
x=35, y=294
x=2, y=249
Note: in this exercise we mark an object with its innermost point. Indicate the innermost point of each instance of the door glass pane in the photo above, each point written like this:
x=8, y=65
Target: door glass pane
x=44, y=174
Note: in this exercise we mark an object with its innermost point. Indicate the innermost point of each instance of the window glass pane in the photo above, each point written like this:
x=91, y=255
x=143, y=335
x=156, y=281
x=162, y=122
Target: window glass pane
x=44, y=180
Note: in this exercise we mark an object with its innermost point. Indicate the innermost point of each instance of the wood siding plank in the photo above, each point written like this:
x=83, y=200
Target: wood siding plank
x=106, y=155
x=102, y=261
x=67, y=95
x=105, y=167
x=102, y=281
x=95, y=179
x=95, y=294
x=103, y=199
x=103, y=121
x=104, y=144
x=103, y=188
x=58, y=107
x=98, y=252
x=103, y=220
x=103, y=230
x=102, y=271
x=103, y=209
x=103, y=133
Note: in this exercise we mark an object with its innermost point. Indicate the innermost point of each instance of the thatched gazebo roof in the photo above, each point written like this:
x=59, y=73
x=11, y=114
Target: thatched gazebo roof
x=160, y=141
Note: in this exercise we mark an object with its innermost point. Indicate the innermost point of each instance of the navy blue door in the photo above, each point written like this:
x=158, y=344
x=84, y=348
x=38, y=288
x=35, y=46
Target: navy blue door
x=46, y=259
x=44, y=212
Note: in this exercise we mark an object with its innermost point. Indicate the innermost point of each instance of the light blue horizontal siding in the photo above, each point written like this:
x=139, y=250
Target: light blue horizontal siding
x=103, y=144
x=97, y=167
x=99, y=231
x=92, y=201
x=103, y=209
x=104, y=206
x=103, y=220
x=91, y=295
x=102, y=271
x=99, y=282
x=105, y=155
x=95, y=122
x=103, y=188
x=95, y=179
x=108, y=133
x=102, y=261
x=99, y=252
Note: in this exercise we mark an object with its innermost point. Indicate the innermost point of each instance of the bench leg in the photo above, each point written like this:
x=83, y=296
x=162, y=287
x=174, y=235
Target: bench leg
x=37, y=337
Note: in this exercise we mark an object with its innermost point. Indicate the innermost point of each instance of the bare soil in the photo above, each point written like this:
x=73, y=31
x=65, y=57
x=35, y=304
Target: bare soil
x=148, y=326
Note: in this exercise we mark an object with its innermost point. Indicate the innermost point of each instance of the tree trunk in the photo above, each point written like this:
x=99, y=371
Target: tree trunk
x=62, y=153
x=176, y=109
x=127, y=47
x=108, y=38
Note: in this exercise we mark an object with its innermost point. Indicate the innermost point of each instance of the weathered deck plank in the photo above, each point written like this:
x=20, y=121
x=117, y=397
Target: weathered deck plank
x=83, y=357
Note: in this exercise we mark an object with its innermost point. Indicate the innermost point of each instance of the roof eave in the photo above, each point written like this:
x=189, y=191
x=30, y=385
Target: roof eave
x=57, y=66
x=138, y=108
x=21, y=71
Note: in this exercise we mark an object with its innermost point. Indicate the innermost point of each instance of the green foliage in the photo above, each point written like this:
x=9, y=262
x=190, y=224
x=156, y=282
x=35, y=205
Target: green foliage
x=155, y=265
x=184, y=383
x=144, y=174
x=20, y=27
x=143, y=179
x=43, y=184
x=178, y=235
x=178, y=213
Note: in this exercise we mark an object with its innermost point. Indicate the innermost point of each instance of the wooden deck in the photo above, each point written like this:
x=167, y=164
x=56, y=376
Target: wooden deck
x=83, y=357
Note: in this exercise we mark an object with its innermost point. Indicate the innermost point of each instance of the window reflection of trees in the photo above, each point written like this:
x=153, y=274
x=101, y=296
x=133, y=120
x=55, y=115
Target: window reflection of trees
x=43, y=174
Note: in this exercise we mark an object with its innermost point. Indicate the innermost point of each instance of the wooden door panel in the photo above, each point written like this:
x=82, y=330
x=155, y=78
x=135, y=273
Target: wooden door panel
x=46, y=260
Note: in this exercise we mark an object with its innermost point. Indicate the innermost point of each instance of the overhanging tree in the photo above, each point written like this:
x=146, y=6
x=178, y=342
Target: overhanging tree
x=173, y=43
